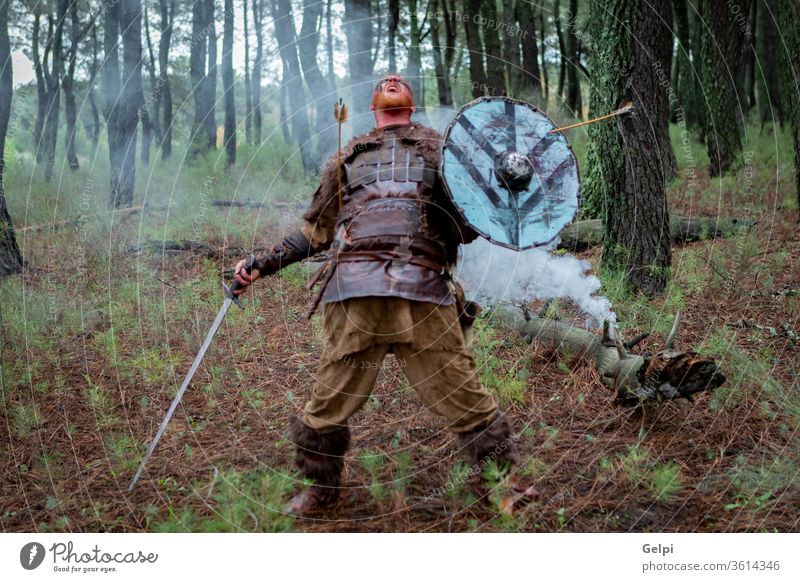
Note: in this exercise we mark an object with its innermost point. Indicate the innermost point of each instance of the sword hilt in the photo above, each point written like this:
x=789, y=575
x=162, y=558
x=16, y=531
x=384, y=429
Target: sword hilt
x=235, y=286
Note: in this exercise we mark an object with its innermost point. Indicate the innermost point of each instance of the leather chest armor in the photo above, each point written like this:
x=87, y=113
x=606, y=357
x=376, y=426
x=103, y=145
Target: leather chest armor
x=388, y=241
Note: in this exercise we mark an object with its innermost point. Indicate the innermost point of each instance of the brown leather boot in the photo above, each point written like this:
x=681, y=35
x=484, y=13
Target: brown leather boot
x=319, y=457
x=495, y=443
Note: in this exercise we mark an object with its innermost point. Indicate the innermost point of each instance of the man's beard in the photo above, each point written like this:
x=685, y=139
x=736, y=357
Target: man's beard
x=392, y=101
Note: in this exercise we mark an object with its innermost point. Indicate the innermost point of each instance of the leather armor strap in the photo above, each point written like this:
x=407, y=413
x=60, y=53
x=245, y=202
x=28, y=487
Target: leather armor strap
x=356, y=256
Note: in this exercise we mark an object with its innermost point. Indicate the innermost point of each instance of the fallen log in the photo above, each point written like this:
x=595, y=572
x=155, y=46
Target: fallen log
x=635, y=378
x=248, y=204
x=194, y=246
x=582, y=234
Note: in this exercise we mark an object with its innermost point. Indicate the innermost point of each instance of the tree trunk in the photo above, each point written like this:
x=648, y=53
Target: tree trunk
x=53, y=78
x=697, y=110
x=573, y=85
x=203, y=72
x=562, y=50
x=123, y=94
x=749, y=69
x=531, y=78
x=767, y=45
x=511, y=46
x=293, y=80
x=329, y=47
x=491, y=43
x=472, y=31
x=167, y=10
x=394, y=20
x=308, y=44
x=94, y=132
x=227, y=85
x=414, y=67
x=41, y=84
x=626, y=179
x=70, y=110
x=10, y=257
x=248, y=95
x=721, y=57
x=150, y=122
x=358, y=29
x=683, y=77
x=789, y=17
x=545, y=74
x=441, y=64
x=258, y=64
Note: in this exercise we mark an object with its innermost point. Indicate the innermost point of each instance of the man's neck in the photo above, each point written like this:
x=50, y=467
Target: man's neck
x=389, y=117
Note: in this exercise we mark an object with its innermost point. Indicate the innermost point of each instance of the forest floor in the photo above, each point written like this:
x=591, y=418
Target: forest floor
x=96, y=339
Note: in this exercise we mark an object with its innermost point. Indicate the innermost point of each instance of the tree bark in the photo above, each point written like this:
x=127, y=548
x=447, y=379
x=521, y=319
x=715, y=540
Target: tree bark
x=562, y=50
x=10, y=257
x=248, y=95
x=203, y=72
x=721, y=58
x=626, y=181
x=531, y=81
x=70, y=109
x=258, y=64
x=123, y=94
x=358, y=29
x=41, y=84
x=749, y=69
x=573, y=85
x=394, y=21
x=293, y=79
x=329, y=46
x=94, y=132
x=767, y=46
x=789, y=16
x=494, y=56
x=167, y=11
x=227, y=85
x=511, y=46
x=443, y=55
x=472, y=31
x=53, y=78
x=545, y=74
x=414, y=67
x=148, y=121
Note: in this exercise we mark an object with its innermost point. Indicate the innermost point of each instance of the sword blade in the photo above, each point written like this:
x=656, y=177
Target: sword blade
x=196, y=364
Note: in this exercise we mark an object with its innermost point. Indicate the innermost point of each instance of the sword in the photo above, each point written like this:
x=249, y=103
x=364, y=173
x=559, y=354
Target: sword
x=229, y=299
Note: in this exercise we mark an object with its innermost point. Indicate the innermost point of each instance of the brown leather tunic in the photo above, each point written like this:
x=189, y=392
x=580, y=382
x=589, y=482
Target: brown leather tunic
x=396, y=233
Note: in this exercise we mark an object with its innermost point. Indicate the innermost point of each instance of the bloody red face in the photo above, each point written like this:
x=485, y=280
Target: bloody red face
x=392, y=92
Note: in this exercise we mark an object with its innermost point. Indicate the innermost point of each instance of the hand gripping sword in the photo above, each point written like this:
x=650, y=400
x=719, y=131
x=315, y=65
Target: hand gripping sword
x=229, y=299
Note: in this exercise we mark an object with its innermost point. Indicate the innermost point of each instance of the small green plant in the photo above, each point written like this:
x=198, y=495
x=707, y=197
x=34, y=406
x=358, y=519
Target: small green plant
x=100, y=404
x=25, y=417
x=374, y=463
x=662, y=479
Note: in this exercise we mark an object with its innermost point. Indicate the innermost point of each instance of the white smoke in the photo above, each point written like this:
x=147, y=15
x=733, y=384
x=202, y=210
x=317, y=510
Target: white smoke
x=491, y=274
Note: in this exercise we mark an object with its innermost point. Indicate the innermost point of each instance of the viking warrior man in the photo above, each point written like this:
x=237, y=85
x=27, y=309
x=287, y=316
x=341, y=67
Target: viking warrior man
x=392, y=236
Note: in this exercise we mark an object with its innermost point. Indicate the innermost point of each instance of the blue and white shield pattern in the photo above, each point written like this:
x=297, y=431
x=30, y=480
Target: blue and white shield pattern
x=512, y=181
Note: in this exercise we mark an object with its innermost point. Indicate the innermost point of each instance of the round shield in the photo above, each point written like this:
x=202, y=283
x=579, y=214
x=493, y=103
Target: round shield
x=512, y=181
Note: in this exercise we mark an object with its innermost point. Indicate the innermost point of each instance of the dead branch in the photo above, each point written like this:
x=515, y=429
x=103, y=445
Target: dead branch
x=582, y=234
x=666, y=375
x=193, y=246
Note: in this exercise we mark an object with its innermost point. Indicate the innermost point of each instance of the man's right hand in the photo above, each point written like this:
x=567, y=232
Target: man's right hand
x=242, y=276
